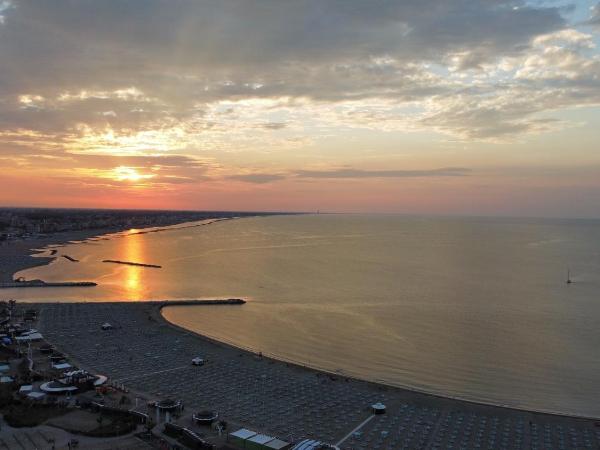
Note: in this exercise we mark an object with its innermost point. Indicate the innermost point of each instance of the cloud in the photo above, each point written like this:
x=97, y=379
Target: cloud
x=5, y=5
x=176, y=52
x=350, y=173
x=109, y=169
x=257, y=178
x=122, y=77
x=274, y=126
x=357, y=173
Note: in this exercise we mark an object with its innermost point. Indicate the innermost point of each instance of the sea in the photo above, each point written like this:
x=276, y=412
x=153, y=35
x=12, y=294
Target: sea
x=472, y=308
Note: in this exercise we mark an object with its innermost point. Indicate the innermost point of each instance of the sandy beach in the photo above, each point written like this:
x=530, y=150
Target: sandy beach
x=150, y=355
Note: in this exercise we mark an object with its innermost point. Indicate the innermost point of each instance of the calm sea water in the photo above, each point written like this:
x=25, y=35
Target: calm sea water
x=472, y=308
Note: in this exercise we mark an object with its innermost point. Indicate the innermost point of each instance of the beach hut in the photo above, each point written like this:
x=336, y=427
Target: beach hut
x=205, y=417
x=311, y=444
x=32, y=337
x=25, y=389
x=277, y=444
x=240, y=436
x=37, y=396
x=4, y=367
x=168, y=405
x=258, y=442
x=61, y=366
x=378, y=408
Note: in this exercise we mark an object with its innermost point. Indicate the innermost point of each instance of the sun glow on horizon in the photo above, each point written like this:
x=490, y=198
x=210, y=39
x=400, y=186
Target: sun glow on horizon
x=124, y=173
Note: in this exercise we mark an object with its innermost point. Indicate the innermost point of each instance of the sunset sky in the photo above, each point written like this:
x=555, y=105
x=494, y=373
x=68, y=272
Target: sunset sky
x=411, y=106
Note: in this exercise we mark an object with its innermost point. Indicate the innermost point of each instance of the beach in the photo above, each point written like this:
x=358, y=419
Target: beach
x=147, y=354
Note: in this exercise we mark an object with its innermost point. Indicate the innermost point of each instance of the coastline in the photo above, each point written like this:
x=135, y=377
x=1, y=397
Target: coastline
x=378, y=384
x=151, y=355
x=21, y=254
x=18, y=254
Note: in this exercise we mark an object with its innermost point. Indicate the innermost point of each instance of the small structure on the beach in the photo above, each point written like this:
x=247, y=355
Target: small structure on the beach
x=106, y=326
x=25, y=389
x=277, y=444
x=61, y=365
x=258, y=441
x=252, y=440
x=378, y=408
x=205, y=417
x=36, y=396
x=57, y=387
x=311, y=444
x=29, y=337
x=240, y=436
x=73, y=381
x=168, y=405
x=198, y=361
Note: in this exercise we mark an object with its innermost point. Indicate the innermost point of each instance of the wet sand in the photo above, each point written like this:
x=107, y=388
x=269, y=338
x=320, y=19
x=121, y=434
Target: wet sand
x=148, y=354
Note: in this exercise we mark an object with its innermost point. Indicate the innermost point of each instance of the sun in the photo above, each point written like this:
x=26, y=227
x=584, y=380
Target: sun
x=124, y=173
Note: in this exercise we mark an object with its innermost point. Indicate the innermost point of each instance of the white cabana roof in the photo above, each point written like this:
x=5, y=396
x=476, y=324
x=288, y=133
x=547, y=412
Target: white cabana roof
x=100, y=380
x=261, y=439
x=277, y=444
x=26, y=388
x=243, y=433
x=308, y=444
x=61, y=366
x=36, y=395
x=46, y=387
x=26, y=333
x=30, y=337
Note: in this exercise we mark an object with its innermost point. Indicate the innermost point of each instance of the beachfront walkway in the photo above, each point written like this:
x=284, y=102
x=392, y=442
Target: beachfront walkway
x=148, y=355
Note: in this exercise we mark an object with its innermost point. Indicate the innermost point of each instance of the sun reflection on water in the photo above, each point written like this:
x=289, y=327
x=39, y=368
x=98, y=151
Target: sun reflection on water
x=133, y=250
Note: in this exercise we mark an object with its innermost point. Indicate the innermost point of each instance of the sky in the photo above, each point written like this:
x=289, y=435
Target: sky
x=478, y=107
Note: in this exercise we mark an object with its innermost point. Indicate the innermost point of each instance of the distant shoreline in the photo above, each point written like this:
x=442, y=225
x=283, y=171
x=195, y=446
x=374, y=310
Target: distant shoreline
x=20, y=254
x=17, y=255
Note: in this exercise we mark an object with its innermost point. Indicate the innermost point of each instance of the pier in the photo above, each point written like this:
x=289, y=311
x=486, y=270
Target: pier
x=40, y=283
x=129, y=263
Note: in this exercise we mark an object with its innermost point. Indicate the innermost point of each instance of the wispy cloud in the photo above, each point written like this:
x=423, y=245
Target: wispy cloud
x=257, y=178
x=357, y=173
x=349, y=173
